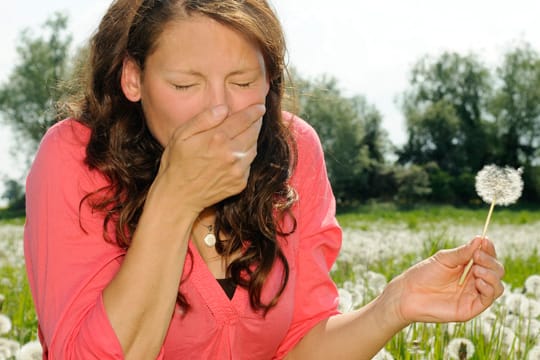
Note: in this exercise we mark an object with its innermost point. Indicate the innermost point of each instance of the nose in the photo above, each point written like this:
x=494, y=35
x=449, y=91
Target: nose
x=217, y=94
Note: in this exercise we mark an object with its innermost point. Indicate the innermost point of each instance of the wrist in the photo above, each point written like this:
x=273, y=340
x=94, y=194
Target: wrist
x=391, y=303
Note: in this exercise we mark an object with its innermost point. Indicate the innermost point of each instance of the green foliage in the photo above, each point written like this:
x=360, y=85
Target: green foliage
x=516, y=107
x=460, y=116
x=444, y=113
x=18, y=304
x=413, y=184
x=14, y=194
x=351, y=133
x=28, y=98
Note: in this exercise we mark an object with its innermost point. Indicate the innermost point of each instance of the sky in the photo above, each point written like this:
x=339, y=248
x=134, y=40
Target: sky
x=369, y=46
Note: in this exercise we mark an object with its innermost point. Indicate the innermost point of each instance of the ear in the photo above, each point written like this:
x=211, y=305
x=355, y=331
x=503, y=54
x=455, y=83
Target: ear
x=131, y=80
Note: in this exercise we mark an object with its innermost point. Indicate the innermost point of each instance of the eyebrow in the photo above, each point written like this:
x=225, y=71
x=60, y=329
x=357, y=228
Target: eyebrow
x=199, y=74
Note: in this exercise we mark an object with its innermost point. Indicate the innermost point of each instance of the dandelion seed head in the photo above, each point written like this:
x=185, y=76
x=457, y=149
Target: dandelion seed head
x=532, y=285
x=31, y=351
x=534, y=353
x=383, y=355
x=5, y=324
x=8, y=348
x=460, y=348
x=500, y=185
x=345, y=300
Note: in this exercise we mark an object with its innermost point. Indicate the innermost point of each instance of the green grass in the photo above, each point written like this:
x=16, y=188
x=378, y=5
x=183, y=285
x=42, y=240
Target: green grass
x=425, y=214
x=418, y=340
x=18, y=304
x=406, y=345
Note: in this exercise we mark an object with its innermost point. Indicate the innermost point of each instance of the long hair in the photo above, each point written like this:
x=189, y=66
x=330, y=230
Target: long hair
x=122, y=148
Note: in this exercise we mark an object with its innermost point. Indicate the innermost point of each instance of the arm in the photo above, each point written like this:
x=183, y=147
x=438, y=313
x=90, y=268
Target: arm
x=93, y=299
x=427, y=292
x=147, y=283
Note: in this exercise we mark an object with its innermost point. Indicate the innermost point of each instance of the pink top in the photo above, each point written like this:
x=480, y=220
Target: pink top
x=69, y=267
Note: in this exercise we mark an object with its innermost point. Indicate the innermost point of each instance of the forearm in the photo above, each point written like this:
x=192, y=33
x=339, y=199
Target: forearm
x=140, y=300
x=355, y=335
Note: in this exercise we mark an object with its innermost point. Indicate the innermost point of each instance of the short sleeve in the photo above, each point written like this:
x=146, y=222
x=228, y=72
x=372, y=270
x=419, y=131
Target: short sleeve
x=316, y=296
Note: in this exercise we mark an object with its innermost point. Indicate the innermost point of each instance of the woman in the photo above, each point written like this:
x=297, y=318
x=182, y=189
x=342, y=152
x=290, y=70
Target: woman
x=179, y=213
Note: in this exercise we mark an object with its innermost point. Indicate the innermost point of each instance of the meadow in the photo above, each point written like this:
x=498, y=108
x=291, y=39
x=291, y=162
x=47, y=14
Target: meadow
x=379, y=242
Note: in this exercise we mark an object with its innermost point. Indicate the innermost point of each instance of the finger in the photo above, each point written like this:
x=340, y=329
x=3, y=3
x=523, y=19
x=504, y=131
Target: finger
x=247, y=139
x=487, y=292
x=488, y=282
x=460, y=255
x=206, y=120
x=241, y=121
x=485, y=260
x=489, y=247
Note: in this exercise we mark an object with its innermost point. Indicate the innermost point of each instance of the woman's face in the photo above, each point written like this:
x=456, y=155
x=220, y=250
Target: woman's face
x=197, y=64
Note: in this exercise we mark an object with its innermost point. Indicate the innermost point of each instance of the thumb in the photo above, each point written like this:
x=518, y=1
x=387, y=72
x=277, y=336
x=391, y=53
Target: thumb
x=460, y=255
x=206, y=120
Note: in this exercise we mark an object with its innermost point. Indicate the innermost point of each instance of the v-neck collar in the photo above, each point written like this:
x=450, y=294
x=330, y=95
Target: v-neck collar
x=224, y=309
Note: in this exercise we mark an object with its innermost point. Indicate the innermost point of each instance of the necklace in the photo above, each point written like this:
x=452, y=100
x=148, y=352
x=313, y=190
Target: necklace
x=210, y=238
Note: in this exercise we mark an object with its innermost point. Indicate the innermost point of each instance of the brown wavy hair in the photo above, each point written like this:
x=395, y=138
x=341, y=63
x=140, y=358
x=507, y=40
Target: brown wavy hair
x=122, y=148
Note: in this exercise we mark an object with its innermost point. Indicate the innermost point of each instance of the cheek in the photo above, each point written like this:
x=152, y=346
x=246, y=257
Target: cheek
x=165, y=113
x=239, y=100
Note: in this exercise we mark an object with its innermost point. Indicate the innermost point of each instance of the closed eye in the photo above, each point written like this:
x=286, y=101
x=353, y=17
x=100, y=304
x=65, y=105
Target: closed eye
x=183, y=87
x=244, y=85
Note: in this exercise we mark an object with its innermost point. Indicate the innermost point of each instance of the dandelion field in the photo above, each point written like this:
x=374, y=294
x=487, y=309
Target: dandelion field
x=379, y=243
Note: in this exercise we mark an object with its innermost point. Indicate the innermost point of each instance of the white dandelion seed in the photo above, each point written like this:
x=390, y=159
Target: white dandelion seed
x=376, y=282
x=502, y=186
x=534, y=353
x=5, y=324
x=8, y=348
x=383, y=355
x=496, y=186
x=31, y=351
x=532, y=286
x=460, y=349
x=345, y=300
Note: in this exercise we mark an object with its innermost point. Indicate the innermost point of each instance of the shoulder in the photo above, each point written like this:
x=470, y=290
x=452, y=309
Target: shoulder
x=61, y=155
x=67, y=136
x=310, y=156
x=303, y=133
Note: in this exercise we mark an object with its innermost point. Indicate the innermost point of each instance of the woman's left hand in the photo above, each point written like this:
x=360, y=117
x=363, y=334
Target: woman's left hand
x=430, y=290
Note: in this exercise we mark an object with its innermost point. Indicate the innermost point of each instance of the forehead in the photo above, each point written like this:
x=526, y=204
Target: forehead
x=204, y=40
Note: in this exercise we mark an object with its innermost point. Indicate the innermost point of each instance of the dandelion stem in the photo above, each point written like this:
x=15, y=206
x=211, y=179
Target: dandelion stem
x=488, y=219
x=470, y=263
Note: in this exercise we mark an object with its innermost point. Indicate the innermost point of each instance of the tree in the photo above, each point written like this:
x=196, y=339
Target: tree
x=516, y=107
x=445, y=110
x=353, y=140
x=28, y=98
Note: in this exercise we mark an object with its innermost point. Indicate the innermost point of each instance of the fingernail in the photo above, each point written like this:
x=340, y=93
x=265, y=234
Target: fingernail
x=219, y=111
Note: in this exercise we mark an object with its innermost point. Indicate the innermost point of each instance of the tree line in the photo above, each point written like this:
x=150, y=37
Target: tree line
x=460, y=115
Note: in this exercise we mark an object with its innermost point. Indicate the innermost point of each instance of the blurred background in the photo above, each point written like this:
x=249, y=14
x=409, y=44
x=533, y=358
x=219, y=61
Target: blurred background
x=411, y=98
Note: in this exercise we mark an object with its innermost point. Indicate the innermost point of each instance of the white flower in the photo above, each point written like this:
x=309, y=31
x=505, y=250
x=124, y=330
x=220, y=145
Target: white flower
x=8, y=348
x=500, y=185
x=383, y=355
x=534, y=353
x=376, y=282
x=460, y=348
x=345, y=300
x=519, y=304
x=532, y=285
x=31, y=351
x=5, y=324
